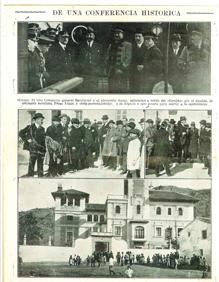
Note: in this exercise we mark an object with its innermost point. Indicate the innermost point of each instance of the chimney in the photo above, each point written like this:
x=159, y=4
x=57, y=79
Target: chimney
x=59, y=187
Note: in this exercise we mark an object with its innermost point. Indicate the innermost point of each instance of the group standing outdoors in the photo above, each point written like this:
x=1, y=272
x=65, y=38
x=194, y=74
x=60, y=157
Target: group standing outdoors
x=70, y=145
x=169, y=141
x=130, y=67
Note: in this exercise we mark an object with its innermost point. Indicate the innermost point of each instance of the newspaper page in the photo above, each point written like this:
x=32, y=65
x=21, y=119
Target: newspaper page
x=109, y=160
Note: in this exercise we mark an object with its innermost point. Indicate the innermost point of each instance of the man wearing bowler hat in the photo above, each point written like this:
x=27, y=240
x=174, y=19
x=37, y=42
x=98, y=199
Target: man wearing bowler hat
x=118, y=60
x=59, y=59
x=33, y=137
x=174, y=72
x=193, y=137
x=181, y=139
x=89, y=62
x=136, y=67
x=153, y=69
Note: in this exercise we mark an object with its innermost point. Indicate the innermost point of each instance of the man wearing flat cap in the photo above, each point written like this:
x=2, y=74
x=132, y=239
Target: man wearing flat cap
x=136, y=67
x=54, y=147
x=174, y=73
x=59, y=59
x=118, y=60
x=153, y=70
x=194, y=63
x=77, y=155
x=89, y=62
x=33, y=137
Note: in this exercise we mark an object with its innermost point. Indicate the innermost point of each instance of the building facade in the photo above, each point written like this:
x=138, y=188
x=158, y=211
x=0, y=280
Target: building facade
x=142, y=217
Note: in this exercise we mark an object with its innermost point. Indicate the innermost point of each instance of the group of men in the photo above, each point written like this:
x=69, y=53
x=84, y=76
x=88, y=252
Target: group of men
x=130, y=67
x=170, y=141
x=69, y=145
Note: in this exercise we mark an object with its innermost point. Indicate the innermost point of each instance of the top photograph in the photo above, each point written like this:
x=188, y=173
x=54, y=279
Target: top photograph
x=114, y=57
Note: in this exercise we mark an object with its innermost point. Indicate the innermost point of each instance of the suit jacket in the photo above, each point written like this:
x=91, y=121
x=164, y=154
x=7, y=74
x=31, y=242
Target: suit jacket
x=75, y=137
x=55, y=132
x=89, y=59
x=119, y=57
x=59, y=63
x=37, y=137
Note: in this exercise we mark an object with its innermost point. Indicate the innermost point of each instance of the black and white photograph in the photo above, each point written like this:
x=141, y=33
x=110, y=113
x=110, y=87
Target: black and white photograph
x=178, y=143
x=128, y=228
x=114, y=57
x=81, y=143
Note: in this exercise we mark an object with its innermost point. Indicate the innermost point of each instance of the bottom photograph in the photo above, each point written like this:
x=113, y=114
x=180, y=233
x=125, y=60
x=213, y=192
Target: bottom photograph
x=152, y=228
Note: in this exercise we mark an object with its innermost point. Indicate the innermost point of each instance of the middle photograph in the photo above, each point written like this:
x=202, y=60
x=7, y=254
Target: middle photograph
x=81, y=143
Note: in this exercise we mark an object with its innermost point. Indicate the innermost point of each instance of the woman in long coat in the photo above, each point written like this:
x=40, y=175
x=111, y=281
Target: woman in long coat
x=110, y=147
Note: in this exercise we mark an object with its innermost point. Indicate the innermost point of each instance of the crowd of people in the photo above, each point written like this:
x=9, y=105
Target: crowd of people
x=127, y=259
x=69, y=145
x=139, y=66
x=169, y=141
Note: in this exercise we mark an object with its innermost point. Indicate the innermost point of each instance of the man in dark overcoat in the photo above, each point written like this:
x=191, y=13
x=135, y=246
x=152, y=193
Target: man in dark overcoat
x=204, y=143
x=54, y=146
x=76, y=145
x=59, y=60
x=136, y=67
x=153, y=69
x=102, y=136
x=89, y=62
x=33, y=137
x=181, y=135
x=193, y=137
x=162, y=149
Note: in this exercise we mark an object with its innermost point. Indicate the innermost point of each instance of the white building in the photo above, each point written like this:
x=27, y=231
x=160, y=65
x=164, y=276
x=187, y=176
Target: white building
x=142, y=217
x=195, y=238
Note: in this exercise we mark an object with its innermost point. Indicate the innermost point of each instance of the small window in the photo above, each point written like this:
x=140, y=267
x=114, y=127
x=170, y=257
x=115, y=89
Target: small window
x=69, y=217
x=189, y=234
x=95, y=218
x=77, y=202
x=180, y=211
x=70, y=202
x=139, y=232
x=63, y=201
x=169, y=211
x=138, y=209
x=158, y=231
x=118, y=230
x=158, y=210
x=95, y=229
x=102, y=218
x=179, y=230
x=89, y=217
x=204, y=234
x=117, y=209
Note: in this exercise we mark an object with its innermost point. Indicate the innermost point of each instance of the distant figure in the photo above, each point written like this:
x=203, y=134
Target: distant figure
x=129, y=272
x=70, y=261
x=111, y=264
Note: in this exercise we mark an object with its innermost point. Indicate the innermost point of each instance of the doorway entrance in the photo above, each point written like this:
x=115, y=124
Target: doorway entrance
x=102, y=246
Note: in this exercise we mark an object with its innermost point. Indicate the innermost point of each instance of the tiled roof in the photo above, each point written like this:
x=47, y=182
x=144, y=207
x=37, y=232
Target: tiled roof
x=70, y=192
x=96, y=207
x=169, y=196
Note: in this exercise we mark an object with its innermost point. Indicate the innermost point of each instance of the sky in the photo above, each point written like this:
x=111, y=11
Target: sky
x=36, y=193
